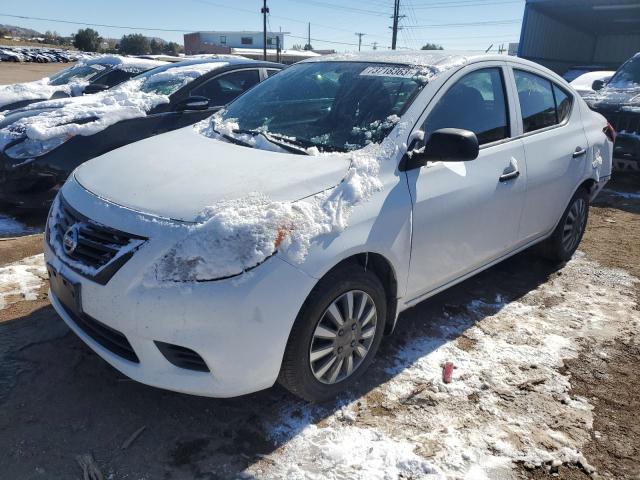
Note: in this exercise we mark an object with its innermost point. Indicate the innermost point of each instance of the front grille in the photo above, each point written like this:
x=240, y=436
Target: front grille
x=111, y=339
x=182, y=357
x=100, y=250
x=624, y=122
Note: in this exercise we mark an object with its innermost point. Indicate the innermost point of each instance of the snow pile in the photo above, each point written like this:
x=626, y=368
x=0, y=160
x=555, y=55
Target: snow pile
x=90, y=114
x=234, y=236
x=509, y=402
x=39, y=89
x=22, y=280
x=86, y=115
x=341, y=451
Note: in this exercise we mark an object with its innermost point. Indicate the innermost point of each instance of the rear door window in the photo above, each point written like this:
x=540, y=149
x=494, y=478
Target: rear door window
x=542, y=103
x=477, y=102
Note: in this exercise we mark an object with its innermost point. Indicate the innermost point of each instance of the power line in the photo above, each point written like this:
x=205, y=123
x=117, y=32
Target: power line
x=469, y=24
x=24, y=17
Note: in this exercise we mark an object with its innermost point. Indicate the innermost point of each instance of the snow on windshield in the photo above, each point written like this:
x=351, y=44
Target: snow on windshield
x=90, y=114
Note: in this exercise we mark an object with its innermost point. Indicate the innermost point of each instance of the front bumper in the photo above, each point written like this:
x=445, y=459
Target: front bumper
x=626, y=152
x=28, y=185
x=238, y=326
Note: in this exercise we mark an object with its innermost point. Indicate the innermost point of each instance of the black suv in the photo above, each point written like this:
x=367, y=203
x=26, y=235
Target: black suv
x=619, y=101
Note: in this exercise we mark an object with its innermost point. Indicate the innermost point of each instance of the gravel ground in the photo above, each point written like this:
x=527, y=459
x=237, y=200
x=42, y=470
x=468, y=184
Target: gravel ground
x=26, y=72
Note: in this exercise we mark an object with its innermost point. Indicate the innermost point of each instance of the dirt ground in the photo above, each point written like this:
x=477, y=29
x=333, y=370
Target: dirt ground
x=11, y=72
x=61, y=404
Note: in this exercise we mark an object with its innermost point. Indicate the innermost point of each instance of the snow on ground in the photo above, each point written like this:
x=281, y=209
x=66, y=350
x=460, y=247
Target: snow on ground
x=509, y=401
x=627, y=195
x=22, y=280
x=10, y=227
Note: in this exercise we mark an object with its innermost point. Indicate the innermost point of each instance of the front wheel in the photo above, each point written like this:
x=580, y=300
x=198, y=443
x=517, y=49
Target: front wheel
x=565, y=239
x=336, y=334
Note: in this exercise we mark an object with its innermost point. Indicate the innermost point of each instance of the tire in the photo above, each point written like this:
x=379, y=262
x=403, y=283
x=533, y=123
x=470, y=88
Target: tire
x=564, y=241
x=316, y=331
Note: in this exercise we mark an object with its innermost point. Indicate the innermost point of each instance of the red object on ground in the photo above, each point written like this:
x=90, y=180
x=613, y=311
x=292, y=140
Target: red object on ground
x=447, y=372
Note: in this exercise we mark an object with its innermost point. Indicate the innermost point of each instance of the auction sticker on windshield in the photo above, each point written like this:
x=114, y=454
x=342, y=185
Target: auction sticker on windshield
x=387, y=71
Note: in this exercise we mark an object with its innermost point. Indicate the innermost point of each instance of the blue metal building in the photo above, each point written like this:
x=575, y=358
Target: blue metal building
x=560, y=34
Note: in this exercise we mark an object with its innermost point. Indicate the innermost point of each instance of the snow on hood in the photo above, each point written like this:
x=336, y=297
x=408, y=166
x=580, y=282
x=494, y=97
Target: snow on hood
x=236, y=234
x=40, y=89
x=90, y=114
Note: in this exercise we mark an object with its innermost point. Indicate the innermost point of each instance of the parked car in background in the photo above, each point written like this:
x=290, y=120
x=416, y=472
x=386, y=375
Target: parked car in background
x=619, y=101
x=43, y=143
x=576, y=71
x=88, y=76
x=279, y=240
x=584, y=83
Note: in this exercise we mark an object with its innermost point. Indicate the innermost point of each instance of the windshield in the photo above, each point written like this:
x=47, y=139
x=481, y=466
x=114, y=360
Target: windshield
x=628, y=76
x=333, y=106
x=77, y=73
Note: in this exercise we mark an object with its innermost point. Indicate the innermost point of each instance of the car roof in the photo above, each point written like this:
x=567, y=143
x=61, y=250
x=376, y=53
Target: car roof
x=435, y=61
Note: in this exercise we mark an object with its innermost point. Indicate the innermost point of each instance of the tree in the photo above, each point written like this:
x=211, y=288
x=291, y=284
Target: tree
x=432, y=46
x=172, y=48
x=156, y=46
x=52, y=38
x=135, y=44
x=87, y=39
x=308, y=46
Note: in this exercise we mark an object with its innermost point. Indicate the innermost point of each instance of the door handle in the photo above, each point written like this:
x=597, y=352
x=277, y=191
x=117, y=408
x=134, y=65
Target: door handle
x=505, y=177
x=579, y=151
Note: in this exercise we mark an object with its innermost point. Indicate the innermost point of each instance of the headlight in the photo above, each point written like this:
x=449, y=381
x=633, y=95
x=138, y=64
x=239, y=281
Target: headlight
x=29, y=148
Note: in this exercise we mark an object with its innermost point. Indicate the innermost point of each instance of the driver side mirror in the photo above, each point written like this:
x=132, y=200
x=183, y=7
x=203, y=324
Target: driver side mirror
x=598, y=85
x=192, y=103
x=446, y=145
x=94, y=88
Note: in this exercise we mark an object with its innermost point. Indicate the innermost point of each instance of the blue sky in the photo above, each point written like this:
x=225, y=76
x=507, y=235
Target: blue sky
x=456, y=24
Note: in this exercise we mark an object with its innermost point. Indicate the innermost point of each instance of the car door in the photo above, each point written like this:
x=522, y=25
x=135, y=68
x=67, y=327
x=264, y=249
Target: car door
x=555, y=146
x=466, y=214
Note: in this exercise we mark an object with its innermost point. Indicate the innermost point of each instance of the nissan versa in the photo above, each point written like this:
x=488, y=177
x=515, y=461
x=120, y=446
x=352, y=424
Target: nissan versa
x=280, y=239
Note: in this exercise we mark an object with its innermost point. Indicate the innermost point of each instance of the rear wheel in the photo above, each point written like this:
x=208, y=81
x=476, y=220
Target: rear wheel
x=565, y=239
x=336, y=334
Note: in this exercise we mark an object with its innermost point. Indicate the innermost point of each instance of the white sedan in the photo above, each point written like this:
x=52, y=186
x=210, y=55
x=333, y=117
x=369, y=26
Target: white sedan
x=280, y=239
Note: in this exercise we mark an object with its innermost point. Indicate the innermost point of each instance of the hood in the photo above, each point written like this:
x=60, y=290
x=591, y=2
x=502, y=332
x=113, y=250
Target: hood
x=178, y=174
x=613, y=99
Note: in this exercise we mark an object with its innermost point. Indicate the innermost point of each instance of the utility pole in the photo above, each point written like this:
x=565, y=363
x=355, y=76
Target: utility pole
x=264, y=12
x=360, y=35
x=308, y=36
x=394, y=28
x=374, y=45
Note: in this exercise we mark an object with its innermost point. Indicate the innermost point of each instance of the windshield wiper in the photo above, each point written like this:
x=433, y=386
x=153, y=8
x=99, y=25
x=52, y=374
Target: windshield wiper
x=231, y=139
x=281, y=141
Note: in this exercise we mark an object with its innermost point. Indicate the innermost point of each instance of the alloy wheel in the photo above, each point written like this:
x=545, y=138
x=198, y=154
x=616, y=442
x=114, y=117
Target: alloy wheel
x=574, y=224
x=343, y=337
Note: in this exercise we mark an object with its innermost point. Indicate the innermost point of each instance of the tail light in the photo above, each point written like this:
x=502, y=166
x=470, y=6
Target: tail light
x=610, y=132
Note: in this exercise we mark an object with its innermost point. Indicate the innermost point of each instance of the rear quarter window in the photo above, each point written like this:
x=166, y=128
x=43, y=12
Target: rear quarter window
x=542, y=103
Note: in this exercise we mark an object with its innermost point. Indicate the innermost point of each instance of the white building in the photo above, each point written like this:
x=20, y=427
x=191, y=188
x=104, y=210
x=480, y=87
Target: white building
x=220, y=41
